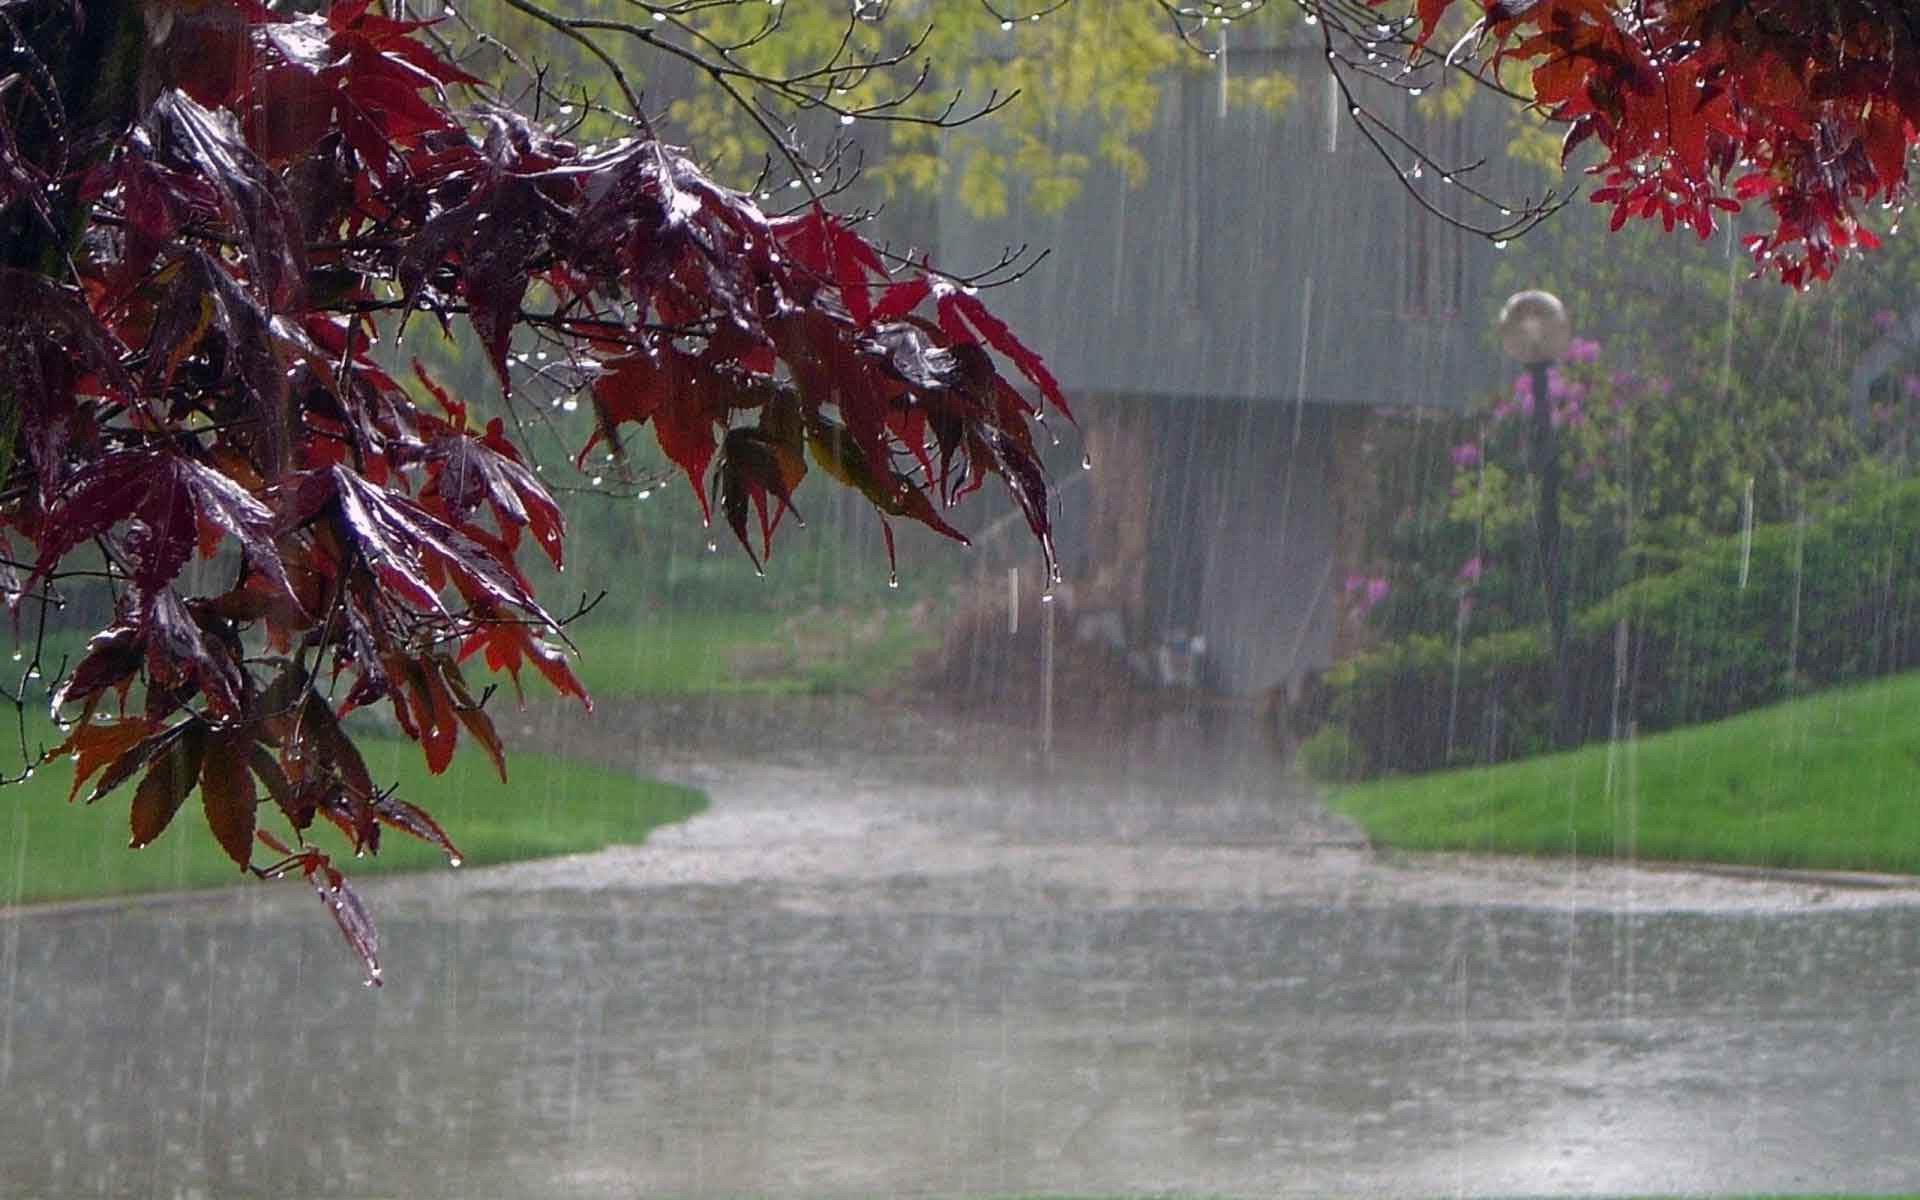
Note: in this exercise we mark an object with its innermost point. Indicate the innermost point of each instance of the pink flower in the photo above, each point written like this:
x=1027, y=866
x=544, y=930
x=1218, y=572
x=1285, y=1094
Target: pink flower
x=1466, y=455
x=1363, y=592
x=1471, y=570
x=1910, y=384
x=1583, y=350
x=1559, y=387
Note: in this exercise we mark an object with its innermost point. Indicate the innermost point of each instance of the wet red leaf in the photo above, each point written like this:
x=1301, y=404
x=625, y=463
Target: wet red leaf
x=189, y=324
x=228, y=796
x=175, y=757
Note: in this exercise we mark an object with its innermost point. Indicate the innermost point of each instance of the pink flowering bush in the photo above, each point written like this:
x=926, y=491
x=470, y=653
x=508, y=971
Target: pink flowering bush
x=1688, y=407
x=1651, y=475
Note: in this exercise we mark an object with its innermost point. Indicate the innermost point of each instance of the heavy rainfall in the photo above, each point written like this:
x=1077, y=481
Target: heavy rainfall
x=1442, y=723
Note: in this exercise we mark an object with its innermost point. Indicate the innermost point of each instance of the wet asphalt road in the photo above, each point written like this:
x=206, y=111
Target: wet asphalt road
x=1144, y=967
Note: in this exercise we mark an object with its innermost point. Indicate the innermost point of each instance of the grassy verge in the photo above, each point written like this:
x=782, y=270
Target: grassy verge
x=51, y=850
x=1831, y=781
x=746, y=653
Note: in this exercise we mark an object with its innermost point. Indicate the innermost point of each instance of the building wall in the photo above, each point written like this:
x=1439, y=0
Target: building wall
x=1224, y=521
x=1265, y=258
x=1224, y=329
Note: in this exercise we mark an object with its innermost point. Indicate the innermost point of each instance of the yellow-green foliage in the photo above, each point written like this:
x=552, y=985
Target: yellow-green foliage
x=1097, y=65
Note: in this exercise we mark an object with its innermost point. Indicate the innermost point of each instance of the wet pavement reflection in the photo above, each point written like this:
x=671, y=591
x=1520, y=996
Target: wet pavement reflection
x=885, y=980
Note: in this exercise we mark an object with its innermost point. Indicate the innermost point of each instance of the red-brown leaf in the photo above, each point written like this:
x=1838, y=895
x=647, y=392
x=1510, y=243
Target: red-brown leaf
x=414, y=820
x=959, y=311
x=175, y=769
x=228, y=796
x=94, y=744
x=356, y=924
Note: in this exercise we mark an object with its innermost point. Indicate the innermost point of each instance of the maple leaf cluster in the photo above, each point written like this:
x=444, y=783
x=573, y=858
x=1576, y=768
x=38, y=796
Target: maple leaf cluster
x=188, y=315
x=1703, y=105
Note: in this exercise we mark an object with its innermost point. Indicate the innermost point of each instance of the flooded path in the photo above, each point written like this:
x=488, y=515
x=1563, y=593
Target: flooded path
x=957, y=969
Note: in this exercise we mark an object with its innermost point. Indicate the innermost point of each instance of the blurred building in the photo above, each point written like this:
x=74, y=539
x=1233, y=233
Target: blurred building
x=1223, y=332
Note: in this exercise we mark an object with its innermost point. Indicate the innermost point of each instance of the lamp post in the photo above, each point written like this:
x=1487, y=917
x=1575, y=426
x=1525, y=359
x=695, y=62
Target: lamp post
x=1535, y=332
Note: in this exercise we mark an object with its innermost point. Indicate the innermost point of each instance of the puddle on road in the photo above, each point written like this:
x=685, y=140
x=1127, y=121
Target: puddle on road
x=897, y=975
x=665, y=1044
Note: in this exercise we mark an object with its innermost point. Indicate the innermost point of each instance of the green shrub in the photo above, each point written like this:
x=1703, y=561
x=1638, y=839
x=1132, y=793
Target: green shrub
x=1830, y=600
x=1413, y=704
x=1331, y=756
x=1827, y=603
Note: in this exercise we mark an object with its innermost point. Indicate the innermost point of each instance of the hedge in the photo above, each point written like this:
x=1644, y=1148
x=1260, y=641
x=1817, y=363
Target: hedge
x=1826, y=602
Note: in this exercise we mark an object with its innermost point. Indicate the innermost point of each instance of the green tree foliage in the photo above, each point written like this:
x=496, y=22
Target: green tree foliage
x=1075, y=66
x=1699, y=404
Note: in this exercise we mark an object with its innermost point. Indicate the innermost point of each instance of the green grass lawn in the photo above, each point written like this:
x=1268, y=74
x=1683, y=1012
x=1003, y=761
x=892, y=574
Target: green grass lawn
x=52, y=850
x=1829, y=781
x=742, y=652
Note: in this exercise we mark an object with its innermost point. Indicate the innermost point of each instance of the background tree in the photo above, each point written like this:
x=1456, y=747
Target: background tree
x=1036, y=69
x=1713, y=458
